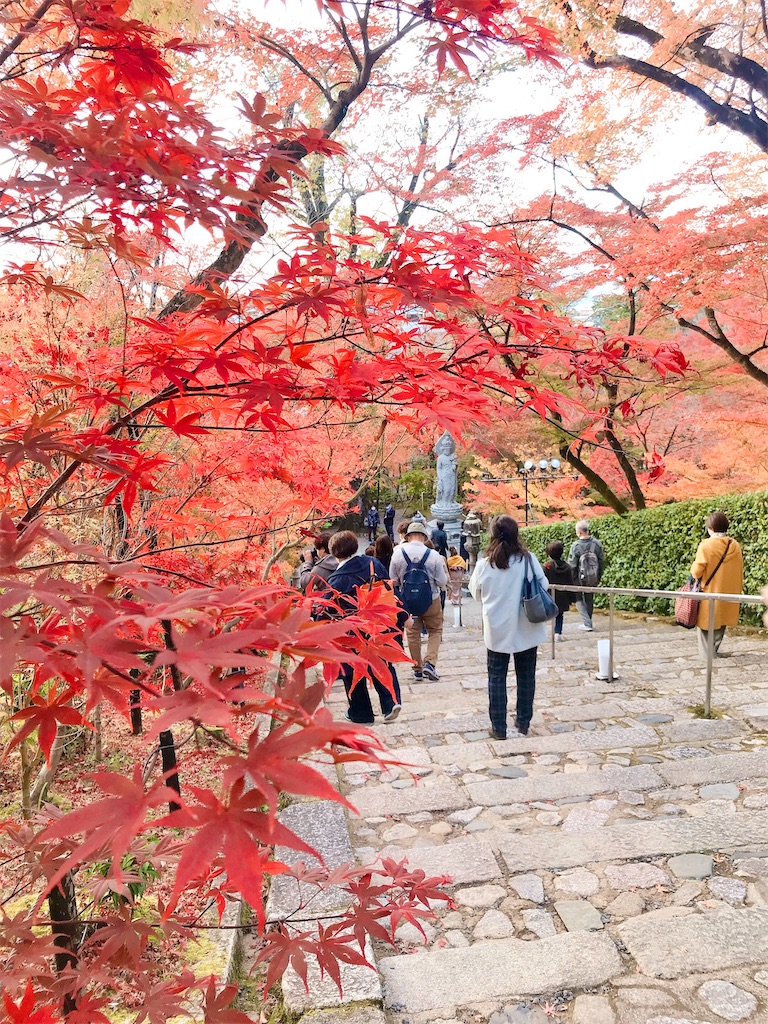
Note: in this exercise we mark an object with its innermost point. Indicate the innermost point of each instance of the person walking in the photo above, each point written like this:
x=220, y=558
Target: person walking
x=389, y=520
x=383, y=549
x=440, y=539
x=317, y=565
x=372, y=522
x=497, y=582
x=355, y=571
x=420, y=574
x=719, y=565
x=559, y=572
x=587, y=560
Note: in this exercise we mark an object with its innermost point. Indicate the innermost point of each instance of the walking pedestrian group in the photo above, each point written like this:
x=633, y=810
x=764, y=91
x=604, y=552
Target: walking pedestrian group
x=512, y=587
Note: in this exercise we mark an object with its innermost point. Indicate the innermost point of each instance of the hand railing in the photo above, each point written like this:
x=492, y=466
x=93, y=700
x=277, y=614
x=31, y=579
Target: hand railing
x=672, y=595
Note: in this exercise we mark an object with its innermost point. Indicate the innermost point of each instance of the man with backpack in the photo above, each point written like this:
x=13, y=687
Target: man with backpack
x=419, y=575
x=587, y=560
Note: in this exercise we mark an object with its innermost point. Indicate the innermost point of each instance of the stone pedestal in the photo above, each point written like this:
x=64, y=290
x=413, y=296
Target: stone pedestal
x=452, y=517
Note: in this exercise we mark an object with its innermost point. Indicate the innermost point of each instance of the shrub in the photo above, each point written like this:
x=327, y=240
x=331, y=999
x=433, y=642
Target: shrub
x=653, y=549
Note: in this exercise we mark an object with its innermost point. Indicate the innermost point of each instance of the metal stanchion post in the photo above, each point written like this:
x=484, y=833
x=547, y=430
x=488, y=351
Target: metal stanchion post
x=611, y=606
x=710, y=659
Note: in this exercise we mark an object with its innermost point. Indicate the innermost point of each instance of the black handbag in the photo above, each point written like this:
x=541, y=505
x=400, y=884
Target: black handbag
x=537, y=603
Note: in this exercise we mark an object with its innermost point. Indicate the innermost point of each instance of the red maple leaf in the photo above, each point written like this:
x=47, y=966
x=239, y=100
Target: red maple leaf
x=26, y=1011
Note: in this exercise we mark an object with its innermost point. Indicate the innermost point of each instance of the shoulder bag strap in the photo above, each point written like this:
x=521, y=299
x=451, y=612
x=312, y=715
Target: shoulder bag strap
x=722, y=559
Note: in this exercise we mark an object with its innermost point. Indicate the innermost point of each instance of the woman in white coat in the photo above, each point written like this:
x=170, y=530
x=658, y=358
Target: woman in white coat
x=498, y=582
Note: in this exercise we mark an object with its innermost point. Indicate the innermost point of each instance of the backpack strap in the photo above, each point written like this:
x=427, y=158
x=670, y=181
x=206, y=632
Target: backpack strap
x=421, y=564
x=408, y=562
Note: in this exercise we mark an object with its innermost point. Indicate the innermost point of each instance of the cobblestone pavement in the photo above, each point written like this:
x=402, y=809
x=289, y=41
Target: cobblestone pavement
x=609, y=868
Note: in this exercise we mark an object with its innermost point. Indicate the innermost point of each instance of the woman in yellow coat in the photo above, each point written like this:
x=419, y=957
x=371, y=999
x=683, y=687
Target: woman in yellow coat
x=719, y=566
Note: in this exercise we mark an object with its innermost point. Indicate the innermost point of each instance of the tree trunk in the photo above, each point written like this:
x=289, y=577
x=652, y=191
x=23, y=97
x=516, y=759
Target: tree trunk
x=46, y=774
x=98, y=736
x=66, y=929
x=137, y=726
x=168, y=755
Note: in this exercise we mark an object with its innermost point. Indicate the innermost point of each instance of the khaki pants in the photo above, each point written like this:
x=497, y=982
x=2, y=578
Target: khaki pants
x=432, y=620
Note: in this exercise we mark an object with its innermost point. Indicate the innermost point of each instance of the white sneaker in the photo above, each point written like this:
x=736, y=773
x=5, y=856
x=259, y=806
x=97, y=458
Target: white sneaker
x=586, y=629
x=392, y=715
x=559, y=637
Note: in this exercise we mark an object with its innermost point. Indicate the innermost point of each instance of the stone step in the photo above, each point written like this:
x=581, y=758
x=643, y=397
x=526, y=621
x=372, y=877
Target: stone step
x=716, y=831
x=715, y=940
x=462, y=860
x=562, y=786
x=499, y=969
x=612, y=737
x=717, y=768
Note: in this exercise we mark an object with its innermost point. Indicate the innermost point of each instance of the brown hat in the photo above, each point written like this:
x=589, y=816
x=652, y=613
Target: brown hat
x=417, y=527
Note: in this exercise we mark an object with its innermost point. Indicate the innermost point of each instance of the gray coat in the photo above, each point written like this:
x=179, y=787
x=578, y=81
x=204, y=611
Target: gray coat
x=323, y=569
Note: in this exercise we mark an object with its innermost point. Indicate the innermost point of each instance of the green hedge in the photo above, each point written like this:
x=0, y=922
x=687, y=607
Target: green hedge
x=654, y=549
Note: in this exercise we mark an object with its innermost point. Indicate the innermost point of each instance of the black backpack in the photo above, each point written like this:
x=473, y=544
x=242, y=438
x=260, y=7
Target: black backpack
x=416, y=590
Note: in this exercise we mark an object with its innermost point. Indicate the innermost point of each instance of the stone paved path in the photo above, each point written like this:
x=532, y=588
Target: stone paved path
x=611, y=867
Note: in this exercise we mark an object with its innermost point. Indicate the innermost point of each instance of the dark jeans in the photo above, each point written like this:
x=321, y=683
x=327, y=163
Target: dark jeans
x=360, y=708
x=389, y=526
x=525, y=671
x=559, y=623
x=372, y=531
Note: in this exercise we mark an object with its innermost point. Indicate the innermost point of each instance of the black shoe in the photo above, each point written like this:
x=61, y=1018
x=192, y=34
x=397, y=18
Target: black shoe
x=418, y=674
x=496, y=735
x=430, y=672
x=522, y=727
x=349, y=719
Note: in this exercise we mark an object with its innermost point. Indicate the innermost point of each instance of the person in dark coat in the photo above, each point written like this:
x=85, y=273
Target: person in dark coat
x=559, y=572
x=389, y=520
x=383, y=549
x=440, y=539
x=372, y=522
x=355, y=571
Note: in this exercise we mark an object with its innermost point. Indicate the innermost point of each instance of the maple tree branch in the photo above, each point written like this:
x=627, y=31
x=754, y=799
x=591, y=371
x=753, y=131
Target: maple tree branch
x=232, y=256
x=695, y=46
x=341, y=28
x=283, y=51
x=593, y=478
x=716, y=335
x=25, y=30
x=749, y=125
x=558, y=224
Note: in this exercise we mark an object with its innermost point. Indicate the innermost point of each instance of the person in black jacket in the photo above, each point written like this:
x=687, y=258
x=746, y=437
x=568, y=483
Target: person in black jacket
x=355, y=571
x=558, y=571
x=439, y=539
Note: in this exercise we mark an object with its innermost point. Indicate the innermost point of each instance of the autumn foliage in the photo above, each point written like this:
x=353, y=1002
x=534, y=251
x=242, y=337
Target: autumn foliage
x=168, y=435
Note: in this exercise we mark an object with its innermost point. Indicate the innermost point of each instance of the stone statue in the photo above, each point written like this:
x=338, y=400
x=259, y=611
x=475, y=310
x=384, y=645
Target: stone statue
x=447, y=471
